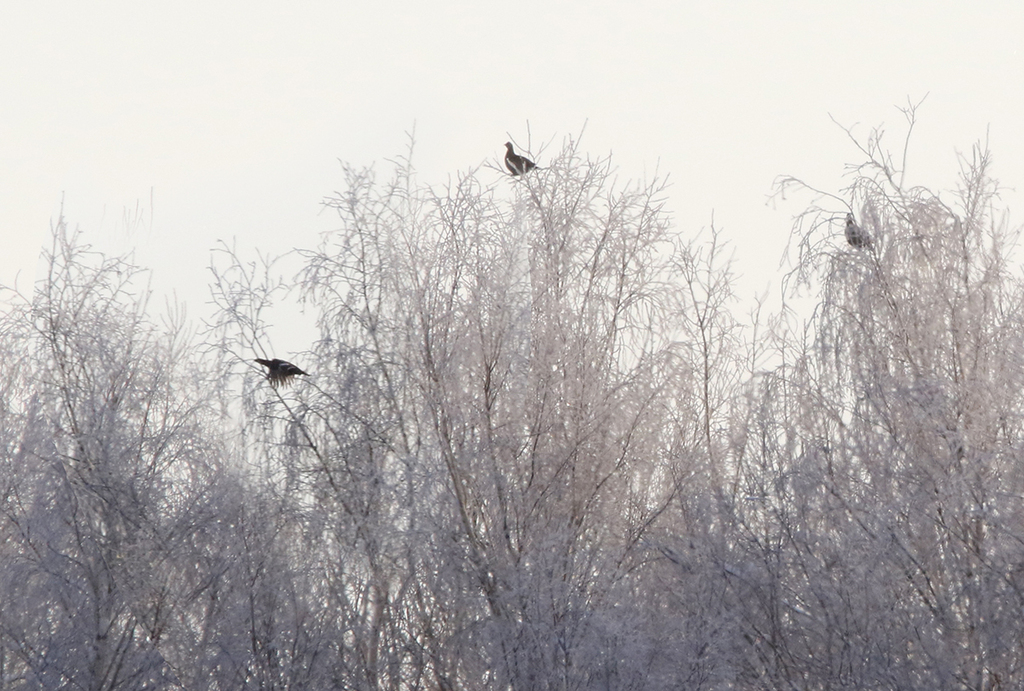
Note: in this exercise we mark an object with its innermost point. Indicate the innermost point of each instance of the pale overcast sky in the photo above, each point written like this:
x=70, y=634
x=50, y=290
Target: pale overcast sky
x=227, y=120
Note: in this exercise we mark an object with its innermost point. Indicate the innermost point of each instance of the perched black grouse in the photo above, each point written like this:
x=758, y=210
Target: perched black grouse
x=855, y=235
x=280, y=372
x=516, y=164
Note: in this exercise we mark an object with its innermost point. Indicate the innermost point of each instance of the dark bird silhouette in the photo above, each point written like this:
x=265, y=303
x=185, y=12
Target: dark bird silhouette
x=855, y=235
x=280, y=372
x=516, y=164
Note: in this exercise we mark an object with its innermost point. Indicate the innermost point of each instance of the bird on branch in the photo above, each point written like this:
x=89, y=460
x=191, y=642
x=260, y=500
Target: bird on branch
x=855, y=235
x=516, y=164
x=280, y=372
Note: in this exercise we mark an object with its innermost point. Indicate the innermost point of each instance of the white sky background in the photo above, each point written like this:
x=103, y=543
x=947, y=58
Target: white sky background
x=226, y=121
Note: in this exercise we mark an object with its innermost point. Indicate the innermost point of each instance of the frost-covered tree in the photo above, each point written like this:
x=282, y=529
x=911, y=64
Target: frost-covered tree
x=878, y=546
x=487, y=435
x=109, y=470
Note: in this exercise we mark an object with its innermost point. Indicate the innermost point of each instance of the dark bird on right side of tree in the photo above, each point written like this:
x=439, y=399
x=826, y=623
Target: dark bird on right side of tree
x=855, y=235
x=516, y=164
x=280, y=372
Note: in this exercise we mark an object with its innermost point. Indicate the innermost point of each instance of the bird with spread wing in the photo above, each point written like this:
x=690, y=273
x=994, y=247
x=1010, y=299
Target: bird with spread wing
x=280, y=372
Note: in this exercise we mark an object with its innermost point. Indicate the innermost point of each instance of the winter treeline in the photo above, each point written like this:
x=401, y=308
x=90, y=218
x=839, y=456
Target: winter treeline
x=541, y=447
